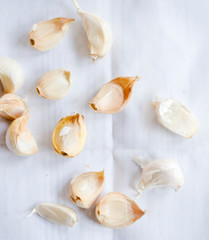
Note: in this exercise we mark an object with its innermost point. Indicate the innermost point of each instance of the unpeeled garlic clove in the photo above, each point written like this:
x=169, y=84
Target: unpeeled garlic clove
x=11, y=74
x=56, y=213
x=69, y=135
x=175, y=117
x=116, y=210
x=54, y=84
x=86, y=188
x=19, y=140
x=98, y=32
x=46, y=35
x=114, y=95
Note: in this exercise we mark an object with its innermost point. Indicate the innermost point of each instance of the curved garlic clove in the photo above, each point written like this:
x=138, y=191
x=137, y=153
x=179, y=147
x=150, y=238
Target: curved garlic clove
x=12, y=106
x=86, y=188
x=46, y=35
x=19, y=140
x=54, y=84
x=116, y=210
x=98, y=32
x=69, y=135
x=175, y=117
x=114, y=95
x=11, y=74
x=56, y=213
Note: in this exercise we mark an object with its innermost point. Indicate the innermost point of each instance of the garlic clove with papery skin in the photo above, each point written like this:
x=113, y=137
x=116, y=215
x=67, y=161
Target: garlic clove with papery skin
x=69, y=135
x=46, y=35
x=116, y=210
x=86, y=188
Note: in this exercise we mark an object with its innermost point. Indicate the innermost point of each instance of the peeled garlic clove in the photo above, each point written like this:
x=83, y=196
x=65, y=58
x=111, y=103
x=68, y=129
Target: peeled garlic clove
x=98, y=32
x=54, y=84
x=47, y=34
x=116, y=210
x=175, y=117
x=69, y=135
x=57, y=214
x=11, y=74
x=114, y=95
x=86, y=188
x=159, y=173
x=19, y=140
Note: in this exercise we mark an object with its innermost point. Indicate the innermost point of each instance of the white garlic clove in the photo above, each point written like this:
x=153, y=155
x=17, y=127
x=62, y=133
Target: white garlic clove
x=116, y=210
x=69, y=135
x=54, y=84
x=86, y=188
x=19, y=140
x=56, y=213
x=11, y=74
x=98, y=32
x=12, y=106
x=114, y=95
x=46, y=35
x=175, y=117
x=160, y=173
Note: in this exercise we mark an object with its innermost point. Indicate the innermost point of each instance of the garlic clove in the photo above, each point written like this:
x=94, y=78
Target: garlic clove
x=54, y=84
x=98, y=32
x=69, y=135
x=19, y=140
x=47, y=34
x=175, y=117
x=56, y=213
x=11, y=74
x=86, y=188
x=114, y=95
x=116, y=210
x=12, y=106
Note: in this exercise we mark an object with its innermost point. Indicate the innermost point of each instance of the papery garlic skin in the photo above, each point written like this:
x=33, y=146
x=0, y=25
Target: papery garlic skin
x=86, y=188
x=46, y=35
x=116, y=210
x=69, y=135
x=19, y=140
x=57, y=214
x=54, y=84
x=11, y=74
x=175, y=117
x=114, y=95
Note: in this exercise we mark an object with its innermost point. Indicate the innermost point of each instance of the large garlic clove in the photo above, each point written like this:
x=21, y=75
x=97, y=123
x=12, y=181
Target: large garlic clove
x=11, y=74
x=19, y=140
x=54, y=84
x=159, y=173
x=56, y=213
x=98, y=32
x=12, y=106
x=46, y=35
x=175, y=117
x=69, y=135
x=114, y=95
x=86, y=188
x=116, y=210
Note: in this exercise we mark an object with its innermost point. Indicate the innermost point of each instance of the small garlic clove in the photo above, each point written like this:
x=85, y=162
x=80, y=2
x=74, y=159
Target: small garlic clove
x=11, y=74
x=98, y=32
x=12, y=106
x=57, y=214
x=114, y=95
x=116, y=210
x=175, y=117
x=69, y=135
x=19, y=140
x=86, y=188
x=47, y=34
x=54, y=84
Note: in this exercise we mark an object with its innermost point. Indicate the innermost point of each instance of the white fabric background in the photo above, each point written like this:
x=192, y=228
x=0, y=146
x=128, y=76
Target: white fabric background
x=165, y=42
